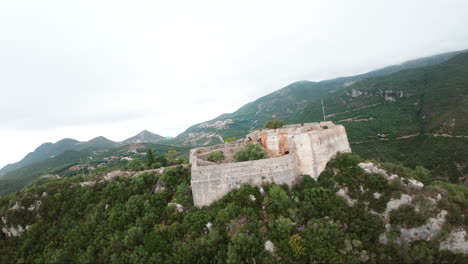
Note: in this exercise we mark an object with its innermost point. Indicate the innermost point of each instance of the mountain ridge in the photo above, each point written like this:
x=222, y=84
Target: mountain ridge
x=287, y=100
x=299, y=102
x=99, y=143
x=383, y=112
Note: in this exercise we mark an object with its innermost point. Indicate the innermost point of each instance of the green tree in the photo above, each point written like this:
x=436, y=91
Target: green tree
x=134, y=236
x=422, y=174
x=251, y=151
x=277, y=200
x=149, y=158
x=324, y=240
x=216, y=156
x=274, y=124
x=281, y=228
x=297, y=245
x=136, y=165
x=171, y=154
x=231, y=139
x=162, y=160
x=243, y=248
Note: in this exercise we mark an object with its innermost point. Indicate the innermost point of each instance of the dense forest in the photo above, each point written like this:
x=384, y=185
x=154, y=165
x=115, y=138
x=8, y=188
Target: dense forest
x=150, y=218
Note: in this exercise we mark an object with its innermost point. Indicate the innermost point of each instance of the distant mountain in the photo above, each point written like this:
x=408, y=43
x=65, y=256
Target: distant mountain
x=144, y=136
x=63, y=163
x=285, y=103
x=44, y=151
x=415, y=116
x=97, y=143
x=414, y=113
x=50, y=150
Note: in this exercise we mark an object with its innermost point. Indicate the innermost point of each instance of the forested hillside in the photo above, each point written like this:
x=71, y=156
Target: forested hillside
x=413, y=113
x=72, y=162
x=49, y=150
x=357, y=212
x=292, y=101
x=415, y=116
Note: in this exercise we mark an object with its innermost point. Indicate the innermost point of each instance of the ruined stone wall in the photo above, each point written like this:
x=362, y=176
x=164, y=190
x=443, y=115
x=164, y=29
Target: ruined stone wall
x=315, y=148
x=198, y=156
x=292, y=150
x=209, y=183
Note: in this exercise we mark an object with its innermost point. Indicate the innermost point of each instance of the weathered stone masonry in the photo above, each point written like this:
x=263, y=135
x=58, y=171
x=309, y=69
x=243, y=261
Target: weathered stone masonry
x=293, y=150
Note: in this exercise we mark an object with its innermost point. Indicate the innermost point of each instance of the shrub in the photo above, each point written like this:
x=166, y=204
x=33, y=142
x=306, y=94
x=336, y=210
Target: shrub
x=216, y=156
x=297, y=245
x=278, y=199
x=346, y=160
x=231, y=139
x=406, y=216
x=422, y=174
x=136, y=165
x=251, y=151
x=161, y=160
x=274, y=124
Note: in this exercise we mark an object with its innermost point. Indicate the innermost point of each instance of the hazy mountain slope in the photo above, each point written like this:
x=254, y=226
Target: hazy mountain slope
x=48, y=150
x=417, y=116
x=44, y=151
x=430, y=99
x=283, y=104
x=62, y=163
x=354, y=213
x=97, y=144
x=384, y=113
x=143, y=136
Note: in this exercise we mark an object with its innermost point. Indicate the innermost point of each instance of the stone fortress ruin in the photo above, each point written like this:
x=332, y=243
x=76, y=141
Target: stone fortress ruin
x=291, y=151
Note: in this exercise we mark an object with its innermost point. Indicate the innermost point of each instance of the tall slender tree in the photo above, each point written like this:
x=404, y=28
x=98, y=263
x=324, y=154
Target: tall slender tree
x=149, y=158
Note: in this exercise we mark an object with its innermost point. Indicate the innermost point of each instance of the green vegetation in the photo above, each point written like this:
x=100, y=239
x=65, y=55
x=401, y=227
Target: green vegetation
x=216, y=156
x=127, y=221
x=410, y=104
x=274, y=124
x=111, y=159
x=405, y=216
x=383, y=112
x=231, y=139
x=251, y=151
x=149, y=158
x=136, y=165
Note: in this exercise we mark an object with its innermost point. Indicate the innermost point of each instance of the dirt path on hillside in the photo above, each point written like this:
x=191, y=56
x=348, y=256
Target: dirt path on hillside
x=409, y=136
x=352, y=110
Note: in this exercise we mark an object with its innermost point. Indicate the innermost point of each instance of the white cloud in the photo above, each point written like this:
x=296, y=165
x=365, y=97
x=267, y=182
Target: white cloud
x=113, y=68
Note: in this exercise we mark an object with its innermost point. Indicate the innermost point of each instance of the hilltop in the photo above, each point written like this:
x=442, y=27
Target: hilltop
x=356, y=212
x=144, y=136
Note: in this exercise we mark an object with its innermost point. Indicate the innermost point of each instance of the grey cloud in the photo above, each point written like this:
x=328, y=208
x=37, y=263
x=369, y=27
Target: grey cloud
x=66, y=64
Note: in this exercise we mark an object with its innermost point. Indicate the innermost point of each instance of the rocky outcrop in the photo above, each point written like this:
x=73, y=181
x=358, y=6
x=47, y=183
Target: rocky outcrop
x=457, y=242
x=14, y=231
x=344, y=193
x=425, y=232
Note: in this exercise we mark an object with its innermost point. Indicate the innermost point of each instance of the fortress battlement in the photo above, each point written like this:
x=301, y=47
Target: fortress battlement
x=292, y=151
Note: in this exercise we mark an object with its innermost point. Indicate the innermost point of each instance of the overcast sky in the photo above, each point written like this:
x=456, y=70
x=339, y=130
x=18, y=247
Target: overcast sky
x=82, y=69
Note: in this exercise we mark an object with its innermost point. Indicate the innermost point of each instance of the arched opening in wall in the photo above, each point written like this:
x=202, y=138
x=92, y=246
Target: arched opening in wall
x=286, y=152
